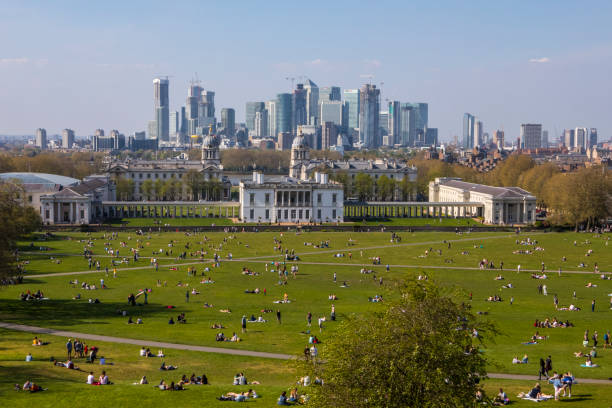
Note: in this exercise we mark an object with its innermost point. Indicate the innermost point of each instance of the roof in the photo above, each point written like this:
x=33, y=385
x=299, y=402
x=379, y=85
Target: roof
x=82, y=189
x=42, y=179
x=498, y=192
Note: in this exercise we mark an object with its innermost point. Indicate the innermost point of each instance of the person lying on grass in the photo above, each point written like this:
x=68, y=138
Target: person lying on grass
x=165, y=367
x=68, y=364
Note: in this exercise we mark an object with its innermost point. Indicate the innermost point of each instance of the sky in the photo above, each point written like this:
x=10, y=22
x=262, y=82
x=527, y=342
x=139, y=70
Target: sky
x=87, y=65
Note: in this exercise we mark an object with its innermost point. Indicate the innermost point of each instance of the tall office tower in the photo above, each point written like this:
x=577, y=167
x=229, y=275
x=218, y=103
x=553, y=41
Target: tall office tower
x=331, y=111
x=351, y=109
x=261, y=123
x=271, y=108
x=421, y=111
x=593, y=137
x=67, y=138
x=545, y=139
x=312, y=102
x=152, y=128
x=468, y=131
x=478, y=142
x=228, y=121
x=407, y=124
x=99, y=132
x=174, y=126
x=581, y=137
x=41, y=138
x=183, y=126
x=283, y=113
x=117, y=140
x=329, y=93
x=369, y=103
x=383, y=126
x=162, y=108
x=299, y=104
x=531, y=135
x=394, y=123
x=207, y=104
x=329, y=135
x=251, y=109
x=569, y=138
x=498, y=139
x=431, y=136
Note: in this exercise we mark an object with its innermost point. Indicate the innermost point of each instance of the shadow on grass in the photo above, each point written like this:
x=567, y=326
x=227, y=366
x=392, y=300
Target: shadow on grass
x=65, y=313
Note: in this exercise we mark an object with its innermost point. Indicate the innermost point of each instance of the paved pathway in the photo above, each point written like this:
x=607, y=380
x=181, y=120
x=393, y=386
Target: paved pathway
x=247, y=353
x=146, y=343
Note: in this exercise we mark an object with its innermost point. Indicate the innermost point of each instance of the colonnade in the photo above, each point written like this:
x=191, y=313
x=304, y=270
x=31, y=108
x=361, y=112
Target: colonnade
x=130, y=209
x=411, y=210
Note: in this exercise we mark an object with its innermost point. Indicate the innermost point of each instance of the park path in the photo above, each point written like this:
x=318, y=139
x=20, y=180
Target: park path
x=246, y=353
x=145, y=343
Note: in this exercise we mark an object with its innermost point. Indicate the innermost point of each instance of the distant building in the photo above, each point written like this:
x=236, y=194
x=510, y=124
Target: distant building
x=569, y=138
x=312, y=103
x=329, y=93
x=502, y=205
x=431, y=136
x=284, y=141
x=162, y=108
x=329, y=135
x=283, y=113
x=261, y=124
x=271, y=108
x=251, y=109
x=115, y=141
x=369, y=103
x=331, y=111
x=67, y=138
x=593, y=137
x=351, y=109
x=137, y=142
x=41, y=138
x=468, y=130
x=228, y=121
x=545, y=139
x=498, y=139
x=291, y=200
x=531, y=136
x=299, y=108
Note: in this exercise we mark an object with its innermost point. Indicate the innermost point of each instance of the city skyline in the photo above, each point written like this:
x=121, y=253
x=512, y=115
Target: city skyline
x=84, y=79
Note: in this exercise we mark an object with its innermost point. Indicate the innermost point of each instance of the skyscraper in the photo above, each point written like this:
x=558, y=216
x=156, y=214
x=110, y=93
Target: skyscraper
x=41, y=138
x=545, y=138
x=569, y=138
x=431, y=136
x=329, y=135
x=477, y=134
x=531, y=136
x=251, y=109
x=468, y=131
x=162, y=108
x=329, y=93
x=383, y=124
x=283, y=113
x=394, y=123
x=174, y=126
x=331, y=111
x=299, y=108
x=271, y=108
x=312, y=102
x=228, y=121
x=369, y=103
x=498, y=139
x=67, y=138
x=261, y=123
x=407, y=124
x=581, y=137
x=351, y=108
x=207, y=104
x=593, y=137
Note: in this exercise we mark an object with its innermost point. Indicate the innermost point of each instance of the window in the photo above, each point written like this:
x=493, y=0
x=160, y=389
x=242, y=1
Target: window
x=140, y=175
x=148, y=175
x=29, y=199
x=267, y=214
x=334, y=214
x=267, y=199
x=307, y=214
x=300, y=214
x=319, y=196
x=46, y=214
x=252, y=213
x=82, y=214
x=156, y=175
x=164, y=175
x=319, y=214
x=293, y=214
x=252, y=198
x=279, y=215
x=286, y=214
x=334, y=198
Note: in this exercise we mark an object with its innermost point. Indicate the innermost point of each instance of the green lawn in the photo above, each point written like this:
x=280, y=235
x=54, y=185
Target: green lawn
x=173, y=222
x=416, y=254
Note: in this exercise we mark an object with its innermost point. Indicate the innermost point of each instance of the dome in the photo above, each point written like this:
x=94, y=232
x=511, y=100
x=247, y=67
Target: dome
x=40, y=178
x=299, y=142
x=209, y=141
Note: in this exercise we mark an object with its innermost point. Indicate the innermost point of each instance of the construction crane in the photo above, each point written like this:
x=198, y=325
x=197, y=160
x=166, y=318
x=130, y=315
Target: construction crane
x=369, y=76
x=292, y=81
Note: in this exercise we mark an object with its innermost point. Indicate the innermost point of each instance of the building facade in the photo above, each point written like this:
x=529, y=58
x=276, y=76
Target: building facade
x=41, y=138
x=531, y=135
x=291, y=200
x=369, y=103
x=501, y=205
x=162, y=108
x=67, y=138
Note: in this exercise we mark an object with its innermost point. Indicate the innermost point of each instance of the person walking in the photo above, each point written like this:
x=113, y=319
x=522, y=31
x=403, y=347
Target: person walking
x=595, y=338
x=243, y=323
x=593, y=305
x=278, y=316
x=333, y=312
x=334, y=276
x=548, y=367
x=542, y=369
x=511, y=300
x=518, y=269
x=187, y=296
x=309, y=319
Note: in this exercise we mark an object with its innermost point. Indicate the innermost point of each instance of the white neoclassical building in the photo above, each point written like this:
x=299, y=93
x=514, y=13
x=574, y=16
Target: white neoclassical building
x=501, y=205
x=291, y=200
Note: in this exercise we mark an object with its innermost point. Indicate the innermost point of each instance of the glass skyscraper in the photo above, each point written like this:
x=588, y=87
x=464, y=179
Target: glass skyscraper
x=468, y=131
x=351, y=108
x=369, y=104
x=283, y=112
x=251, y=108
x=162, y=108
x=228, y=121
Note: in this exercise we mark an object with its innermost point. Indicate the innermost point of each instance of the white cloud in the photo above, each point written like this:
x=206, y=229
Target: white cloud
x=8, y=61
x=317, y=61
x=373, y=63
x=542, y=60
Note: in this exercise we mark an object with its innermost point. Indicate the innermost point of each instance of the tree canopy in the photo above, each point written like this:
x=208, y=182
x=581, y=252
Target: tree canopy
x=420, y=351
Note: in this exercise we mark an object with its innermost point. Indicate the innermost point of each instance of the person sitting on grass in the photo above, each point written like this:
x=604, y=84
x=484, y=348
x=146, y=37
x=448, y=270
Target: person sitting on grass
x=160, y=353
x=535, y=393
x=104, y=379
x=37, y=342
x=91, y=380
x=234, y=338
x=501, y=398
x=282, y=400
x=143, y=380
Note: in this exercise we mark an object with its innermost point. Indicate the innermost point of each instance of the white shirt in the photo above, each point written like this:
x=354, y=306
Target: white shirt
x=90, y=379
x=104, y=380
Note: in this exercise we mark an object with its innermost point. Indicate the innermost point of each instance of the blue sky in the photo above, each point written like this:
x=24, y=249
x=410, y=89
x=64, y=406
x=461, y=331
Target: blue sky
x=87, y=65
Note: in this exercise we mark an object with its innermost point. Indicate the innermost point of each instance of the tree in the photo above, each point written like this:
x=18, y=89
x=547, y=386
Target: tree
x=342, y=178
x=420, y=351
x=173, y=189
x=160, y=189
x=193, y=180
x=125, y=188
x=146, y=189
x=18, y=220
x=363, y=186
x=385, y=187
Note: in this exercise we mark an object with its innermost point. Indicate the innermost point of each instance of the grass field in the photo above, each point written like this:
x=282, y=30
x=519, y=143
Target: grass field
x=417, y=254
